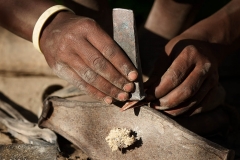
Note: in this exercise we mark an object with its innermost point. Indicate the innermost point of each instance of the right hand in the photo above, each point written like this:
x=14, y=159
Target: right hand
x=79, y=51
x=191, y=79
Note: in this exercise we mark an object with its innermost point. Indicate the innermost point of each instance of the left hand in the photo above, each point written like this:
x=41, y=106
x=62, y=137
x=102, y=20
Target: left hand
x=191, y=82
x=81, y=52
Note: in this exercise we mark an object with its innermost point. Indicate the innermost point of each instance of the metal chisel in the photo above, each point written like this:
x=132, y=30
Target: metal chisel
x=126, y=37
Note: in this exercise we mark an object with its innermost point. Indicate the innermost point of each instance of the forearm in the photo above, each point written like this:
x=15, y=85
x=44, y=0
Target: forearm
x=20, y=17
x=220, y=28
x=168, y=18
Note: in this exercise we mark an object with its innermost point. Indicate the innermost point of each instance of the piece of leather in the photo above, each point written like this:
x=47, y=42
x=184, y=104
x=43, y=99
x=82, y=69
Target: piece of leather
x=87, y=122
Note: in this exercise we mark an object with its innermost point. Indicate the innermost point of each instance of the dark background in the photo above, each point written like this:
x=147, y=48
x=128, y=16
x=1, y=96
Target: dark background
x=141, y=8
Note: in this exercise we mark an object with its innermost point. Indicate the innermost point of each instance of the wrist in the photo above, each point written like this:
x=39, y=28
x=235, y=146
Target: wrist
x=220, y=28
x=53, y=23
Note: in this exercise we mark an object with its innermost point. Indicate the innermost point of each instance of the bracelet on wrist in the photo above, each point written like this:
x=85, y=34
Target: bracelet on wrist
x=42, y=20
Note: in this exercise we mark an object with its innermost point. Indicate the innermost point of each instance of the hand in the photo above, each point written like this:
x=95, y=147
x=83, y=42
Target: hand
x=79, y=51
x=190, y=79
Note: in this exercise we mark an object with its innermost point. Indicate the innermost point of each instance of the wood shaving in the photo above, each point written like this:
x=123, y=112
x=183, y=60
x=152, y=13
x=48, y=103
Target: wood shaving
x=119, y=138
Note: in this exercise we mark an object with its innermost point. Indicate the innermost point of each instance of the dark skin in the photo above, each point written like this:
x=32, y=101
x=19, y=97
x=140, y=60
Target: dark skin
x=80, y=51
x=194, y=55
x=76, y=48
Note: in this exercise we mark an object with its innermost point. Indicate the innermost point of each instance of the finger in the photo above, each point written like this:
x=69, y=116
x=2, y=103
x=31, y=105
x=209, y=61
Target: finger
x=214, y=99
x=112, y=52
x=94, y=79
x=65, y=72
x=94, y=59
x=188, y=88
x=191, y=103
x=174, y=76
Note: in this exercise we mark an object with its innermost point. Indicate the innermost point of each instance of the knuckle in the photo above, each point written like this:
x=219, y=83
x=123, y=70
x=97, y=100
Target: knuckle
x=89, y=76
x=175, y=76
x=109, y=51
x=189, y=91
x=68, y=38
x=81, y=85
x=189, y=52
x=190, y=49
x=88, y=24
x=99, y=63
x=78, y=82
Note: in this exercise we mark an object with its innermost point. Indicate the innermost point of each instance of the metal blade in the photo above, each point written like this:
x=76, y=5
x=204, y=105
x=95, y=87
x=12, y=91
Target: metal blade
x=125, y=35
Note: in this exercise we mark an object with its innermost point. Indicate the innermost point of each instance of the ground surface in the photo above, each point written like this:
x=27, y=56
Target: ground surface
x=24, y=78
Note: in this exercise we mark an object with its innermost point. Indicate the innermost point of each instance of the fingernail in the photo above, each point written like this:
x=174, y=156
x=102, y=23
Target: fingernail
x=132, y=75
x=162, y=108
x=123, y=96
x=108, y=100
x=128, y=87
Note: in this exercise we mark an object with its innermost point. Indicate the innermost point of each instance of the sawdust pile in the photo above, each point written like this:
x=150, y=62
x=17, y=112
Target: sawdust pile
x=120, y=138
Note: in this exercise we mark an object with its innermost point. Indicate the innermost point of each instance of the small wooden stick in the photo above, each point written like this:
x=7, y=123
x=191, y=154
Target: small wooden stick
x=133, y=104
